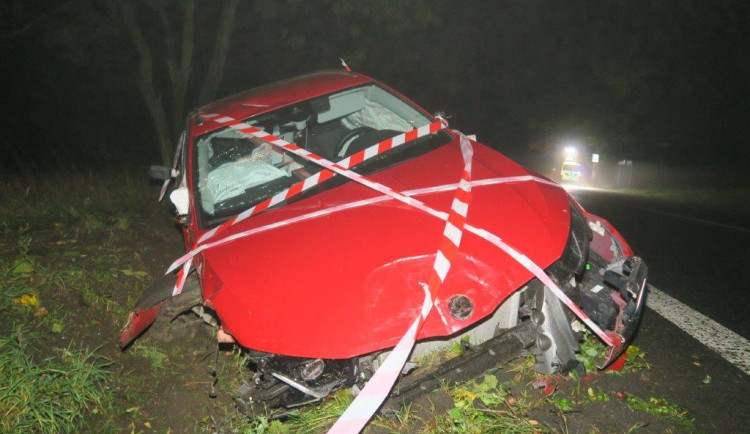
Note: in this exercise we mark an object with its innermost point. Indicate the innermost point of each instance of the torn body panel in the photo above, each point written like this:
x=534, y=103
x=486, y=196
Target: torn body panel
x=147, y=308
x=618, y=294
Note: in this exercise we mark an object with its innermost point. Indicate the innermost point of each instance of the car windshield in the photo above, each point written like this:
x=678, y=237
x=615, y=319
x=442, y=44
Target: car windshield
x=234, y=172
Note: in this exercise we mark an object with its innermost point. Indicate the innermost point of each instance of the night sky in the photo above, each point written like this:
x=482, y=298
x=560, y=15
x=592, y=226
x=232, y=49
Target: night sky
x=662, y=82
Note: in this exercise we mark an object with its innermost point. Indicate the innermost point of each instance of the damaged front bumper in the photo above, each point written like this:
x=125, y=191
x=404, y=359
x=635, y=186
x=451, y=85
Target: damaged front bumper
x=630, y=282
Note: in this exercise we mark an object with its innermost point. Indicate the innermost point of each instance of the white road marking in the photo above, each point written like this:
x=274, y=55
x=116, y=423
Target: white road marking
x=697, y=220
x=731, y=346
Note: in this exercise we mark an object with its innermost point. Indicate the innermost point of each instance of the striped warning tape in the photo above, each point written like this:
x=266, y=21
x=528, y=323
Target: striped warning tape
x=379, y=386
x=334, y=167
x=325, y=174
x=361, y=411
x=350, y=205
x=340, y=168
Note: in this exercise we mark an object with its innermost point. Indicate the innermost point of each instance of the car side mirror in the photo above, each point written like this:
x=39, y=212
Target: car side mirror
x=161, y=173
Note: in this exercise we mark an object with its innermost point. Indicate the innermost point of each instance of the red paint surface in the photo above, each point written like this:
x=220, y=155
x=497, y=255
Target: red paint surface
x=138, y=321
x=348, y=283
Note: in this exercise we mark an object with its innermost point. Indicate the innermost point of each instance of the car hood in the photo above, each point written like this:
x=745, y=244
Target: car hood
x=340, y=273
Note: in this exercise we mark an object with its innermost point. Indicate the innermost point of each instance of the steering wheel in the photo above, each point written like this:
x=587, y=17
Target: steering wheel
x=348, y=139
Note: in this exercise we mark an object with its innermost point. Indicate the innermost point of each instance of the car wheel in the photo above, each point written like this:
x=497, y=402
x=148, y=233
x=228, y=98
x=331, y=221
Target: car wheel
x=177, y=317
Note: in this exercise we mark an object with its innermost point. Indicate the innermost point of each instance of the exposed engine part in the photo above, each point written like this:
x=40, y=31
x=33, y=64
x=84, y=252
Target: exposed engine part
x=597, y=303
x=288, y=382
x=595, y=298
x=576, y=253
x=281, y=381
x=556, y=343
x=317, y=392
x=504, y=347
x=312, y=369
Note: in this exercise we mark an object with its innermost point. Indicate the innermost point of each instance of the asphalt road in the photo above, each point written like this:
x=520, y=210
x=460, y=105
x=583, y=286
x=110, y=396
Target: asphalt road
x=697, y=255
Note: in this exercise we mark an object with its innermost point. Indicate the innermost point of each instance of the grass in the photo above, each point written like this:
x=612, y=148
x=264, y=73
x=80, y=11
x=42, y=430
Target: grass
x=319, y=418
x=59, y=244
x=441, y=355
x=158, y=358
x=659, y=407
x=95, y=200
x=49, y=395
x=487, y=406
x=593, y=351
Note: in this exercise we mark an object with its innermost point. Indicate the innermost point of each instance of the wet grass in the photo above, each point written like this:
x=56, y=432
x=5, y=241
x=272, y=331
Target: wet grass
x=488, y=406
x=661, y=408
x=60, y=264
x=53, y=394
x=96, y=200
x=43, y=387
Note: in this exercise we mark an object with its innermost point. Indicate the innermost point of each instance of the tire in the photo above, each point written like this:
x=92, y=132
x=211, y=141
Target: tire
x=176, y=319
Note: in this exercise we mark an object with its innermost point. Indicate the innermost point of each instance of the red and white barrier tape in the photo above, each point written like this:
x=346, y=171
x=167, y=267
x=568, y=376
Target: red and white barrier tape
x=182, y=277
x=541, y=275
x=307, y=155
x=379, y=386
x=325, y=174
x=362, y=410
x=364, y=202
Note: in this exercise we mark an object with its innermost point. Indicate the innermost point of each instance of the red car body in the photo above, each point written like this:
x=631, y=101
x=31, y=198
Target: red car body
x=346, y=283
x=321, y=278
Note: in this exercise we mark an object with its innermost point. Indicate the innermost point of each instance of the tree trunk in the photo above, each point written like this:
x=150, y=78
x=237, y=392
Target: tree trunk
x=219, y=55
x=182, y=74
x=146, y=83
x=167, y=126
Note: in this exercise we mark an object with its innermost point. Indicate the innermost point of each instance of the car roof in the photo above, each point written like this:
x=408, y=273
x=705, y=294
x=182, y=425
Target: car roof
x=281, y=93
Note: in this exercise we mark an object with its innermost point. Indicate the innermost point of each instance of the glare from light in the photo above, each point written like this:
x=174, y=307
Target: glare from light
x=572, y=188
x=570, y=152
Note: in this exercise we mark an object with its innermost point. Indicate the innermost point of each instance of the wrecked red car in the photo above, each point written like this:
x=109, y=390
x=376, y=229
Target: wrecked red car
x=313, y=212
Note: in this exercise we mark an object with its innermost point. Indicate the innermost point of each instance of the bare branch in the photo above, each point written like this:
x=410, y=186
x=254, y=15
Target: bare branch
x=41, y=17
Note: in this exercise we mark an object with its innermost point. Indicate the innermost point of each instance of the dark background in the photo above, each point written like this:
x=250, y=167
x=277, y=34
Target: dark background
x=663, y=83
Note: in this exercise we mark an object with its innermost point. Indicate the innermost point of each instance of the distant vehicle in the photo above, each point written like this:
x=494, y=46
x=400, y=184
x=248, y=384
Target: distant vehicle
x=571, y=171
x=319, y=275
